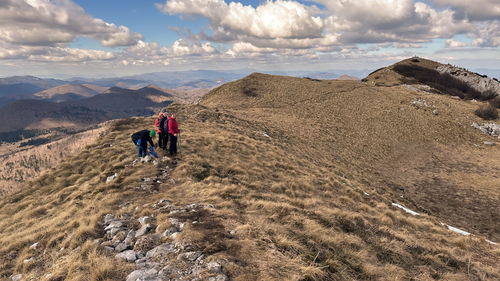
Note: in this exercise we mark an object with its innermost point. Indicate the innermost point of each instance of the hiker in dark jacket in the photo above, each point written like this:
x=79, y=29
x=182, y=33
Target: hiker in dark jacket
x=162, y=134
x=173, y=131
x=141, y=140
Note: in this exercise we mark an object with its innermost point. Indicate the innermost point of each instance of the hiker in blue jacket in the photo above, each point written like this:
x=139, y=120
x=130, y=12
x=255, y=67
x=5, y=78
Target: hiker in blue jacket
x=141, y=140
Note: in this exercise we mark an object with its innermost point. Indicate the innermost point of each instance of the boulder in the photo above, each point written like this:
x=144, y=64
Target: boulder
x=214, y=267
x=108, y=218
x=17, y=277
x=160, y=251
x=128, y=256
x=190, y=256
x=144, y=275
x=143, y=230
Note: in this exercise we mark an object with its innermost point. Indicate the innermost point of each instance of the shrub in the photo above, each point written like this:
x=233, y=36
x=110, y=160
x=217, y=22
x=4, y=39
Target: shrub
x=495, y=102
x=487, y=112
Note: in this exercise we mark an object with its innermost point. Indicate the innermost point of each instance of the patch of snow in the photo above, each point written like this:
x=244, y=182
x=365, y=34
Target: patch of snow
x=265, y=135
x=366, y=193
x=405, y=209
x=491, y=242
x=456, y=230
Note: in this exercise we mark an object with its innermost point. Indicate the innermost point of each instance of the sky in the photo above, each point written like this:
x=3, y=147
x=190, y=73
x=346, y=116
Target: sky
x=99, y=38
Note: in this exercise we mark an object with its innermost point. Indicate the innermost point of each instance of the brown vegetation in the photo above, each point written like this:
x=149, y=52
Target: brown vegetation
x=495, y=102
x=487, y=112
x=303, y=173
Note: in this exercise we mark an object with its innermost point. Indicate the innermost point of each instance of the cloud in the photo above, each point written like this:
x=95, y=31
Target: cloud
x=487, y=35
x=278, y=19
x=452, y=43
x=293, y=25
x=475, y=10
x=53, y=54
x=48, y=23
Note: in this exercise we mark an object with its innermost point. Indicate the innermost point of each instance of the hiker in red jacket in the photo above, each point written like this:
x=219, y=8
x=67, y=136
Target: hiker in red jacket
x=173, y=131
x=162, y=134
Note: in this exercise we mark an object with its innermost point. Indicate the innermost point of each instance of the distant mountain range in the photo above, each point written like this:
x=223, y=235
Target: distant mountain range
x=76, y=112
x=59, y=90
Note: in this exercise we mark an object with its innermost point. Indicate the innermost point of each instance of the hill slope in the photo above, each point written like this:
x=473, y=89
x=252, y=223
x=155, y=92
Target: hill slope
x=294, y=179
x=66, y=92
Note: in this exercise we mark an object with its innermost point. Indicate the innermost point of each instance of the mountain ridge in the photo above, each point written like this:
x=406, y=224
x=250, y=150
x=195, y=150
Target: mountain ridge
x=278, y=178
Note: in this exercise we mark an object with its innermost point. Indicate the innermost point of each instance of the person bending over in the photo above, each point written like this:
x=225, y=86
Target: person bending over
x=141, y=140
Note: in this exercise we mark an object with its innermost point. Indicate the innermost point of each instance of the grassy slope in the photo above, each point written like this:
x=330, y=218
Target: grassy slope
x=296, y=198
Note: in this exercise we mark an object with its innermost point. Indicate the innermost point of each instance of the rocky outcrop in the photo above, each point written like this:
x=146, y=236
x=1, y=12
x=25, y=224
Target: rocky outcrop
x=156, y=252
x=487, y=86
x=491, y=129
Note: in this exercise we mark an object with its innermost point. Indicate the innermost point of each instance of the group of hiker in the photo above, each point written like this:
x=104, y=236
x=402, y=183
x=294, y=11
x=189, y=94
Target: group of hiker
x=167, y=130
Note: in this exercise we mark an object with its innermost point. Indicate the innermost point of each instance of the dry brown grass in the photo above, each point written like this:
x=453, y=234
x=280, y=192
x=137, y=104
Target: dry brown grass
x=302, y=202
x=487, y=112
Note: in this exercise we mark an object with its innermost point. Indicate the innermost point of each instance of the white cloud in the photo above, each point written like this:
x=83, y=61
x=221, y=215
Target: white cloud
x=45, y=22
x=52, y=54
x=475, y=10
x=487, y=35
x=452, y=43
x=278, y=19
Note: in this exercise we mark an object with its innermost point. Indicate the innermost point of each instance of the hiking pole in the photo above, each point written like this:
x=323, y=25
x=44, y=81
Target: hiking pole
x=180, y=144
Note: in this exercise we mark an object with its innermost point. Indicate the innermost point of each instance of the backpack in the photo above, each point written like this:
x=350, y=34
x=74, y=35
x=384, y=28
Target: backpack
x=165, y=126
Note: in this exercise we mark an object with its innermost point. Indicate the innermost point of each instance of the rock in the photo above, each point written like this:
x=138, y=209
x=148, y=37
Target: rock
x=114, y=231
x=489, y=143
x=28, y=260
x=128, y=256
x=34, y=246
x=421, y=103
x=129, y=240
x=143, y=275
x=435, y=112
x=482, y=84
x=146, y=243
x=108, y=218
x=190, y=256
x=162, y=250
x=111, y=178
x=219, y=277
x=121, y=247
x=119, y=236
x=146, y=159
x=143, y=230
x=114, y=224
x=109, y=249
x=17, y=277
x=168, y=270
x=491, y=129
x=171, y=230
x=214, y=267
x=146, y=220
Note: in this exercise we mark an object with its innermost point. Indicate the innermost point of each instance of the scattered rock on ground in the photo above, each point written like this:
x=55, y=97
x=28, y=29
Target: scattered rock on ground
x=491, y=129
x=157, y=255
